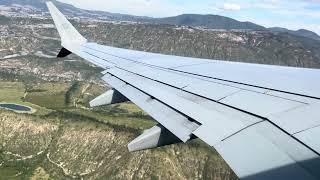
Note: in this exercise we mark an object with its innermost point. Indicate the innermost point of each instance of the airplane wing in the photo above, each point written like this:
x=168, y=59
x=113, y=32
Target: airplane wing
x=263, y=120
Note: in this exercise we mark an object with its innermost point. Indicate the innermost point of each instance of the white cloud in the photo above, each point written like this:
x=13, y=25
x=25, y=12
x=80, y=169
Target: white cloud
x=231, y=7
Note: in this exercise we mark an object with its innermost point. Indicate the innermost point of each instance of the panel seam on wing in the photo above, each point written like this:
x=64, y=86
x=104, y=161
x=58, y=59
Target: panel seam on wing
x=230, y=81
x=211, y=100
x=191, y=65
x=306, y=129
x=243, y=129
x=152, y=98
x=229, y=95
x=199, y=77
x=227, y=106
x=190, y=127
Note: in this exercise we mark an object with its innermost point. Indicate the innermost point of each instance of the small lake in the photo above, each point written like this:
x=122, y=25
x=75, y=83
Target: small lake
x=15, y=107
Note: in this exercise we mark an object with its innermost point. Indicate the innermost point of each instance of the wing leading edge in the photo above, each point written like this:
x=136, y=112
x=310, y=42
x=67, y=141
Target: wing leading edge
x=257, y=123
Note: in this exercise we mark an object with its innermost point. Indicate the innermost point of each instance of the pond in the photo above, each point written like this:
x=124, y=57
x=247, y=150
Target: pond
x=15, y=107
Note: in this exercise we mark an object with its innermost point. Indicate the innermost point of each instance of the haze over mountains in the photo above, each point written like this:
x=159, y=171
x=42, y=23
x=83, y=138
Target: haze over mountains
x=194, y=20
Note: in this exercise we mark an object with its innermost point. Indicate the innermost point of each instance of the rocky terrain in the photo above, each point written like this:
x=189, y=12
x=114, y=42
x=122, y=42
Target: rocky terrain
x=27, y=47
x=247, y=46
x=78, y=148
x=64, y=139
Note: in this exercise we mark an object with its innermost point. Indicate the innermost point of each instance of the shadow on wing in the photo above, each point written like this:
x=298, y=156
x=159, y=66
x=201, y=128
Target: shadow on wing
x=311, y=168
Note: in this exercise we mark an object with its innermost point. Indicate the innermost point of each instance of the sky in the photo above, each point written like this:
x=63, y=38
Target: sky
x=291, y=14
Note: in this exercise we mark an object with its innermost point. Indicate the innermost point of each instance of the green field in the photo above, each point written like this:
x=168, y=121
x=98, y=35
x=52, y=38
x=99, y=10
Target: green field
x=11, y=91
x=9, y=173
x=49, y=95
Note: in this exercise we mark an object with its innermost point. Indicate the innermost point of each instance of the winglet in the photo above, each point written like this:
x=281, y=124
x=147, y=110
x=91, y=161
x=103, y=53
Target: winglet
x=70, y=37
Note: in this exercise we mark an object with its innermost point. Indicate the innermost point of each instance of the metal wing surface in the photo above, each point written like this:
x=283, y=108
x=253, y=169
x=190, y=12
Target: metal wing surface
x=263, y=120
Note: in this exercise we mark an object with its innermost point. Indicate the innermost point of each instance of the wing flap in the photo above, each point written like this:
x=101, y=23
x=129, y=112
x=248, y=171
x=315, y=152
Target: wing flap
x=307, y=137
x=260, y=104
x=194, y=107
x=178, y=124
x=284, y=79
x=298, y=119
x=263, y=151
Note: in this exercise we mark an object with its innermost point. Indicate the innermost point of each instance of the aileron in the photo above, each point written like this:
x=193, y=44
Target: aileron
x=307, y=136
x=258, y=154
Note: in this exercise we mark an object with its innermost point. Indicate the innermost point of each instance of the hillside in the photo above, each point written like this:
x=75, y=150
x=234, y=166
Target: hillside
x=253, y=46
x=301, y=32
x=206, y=21
x=38, y=8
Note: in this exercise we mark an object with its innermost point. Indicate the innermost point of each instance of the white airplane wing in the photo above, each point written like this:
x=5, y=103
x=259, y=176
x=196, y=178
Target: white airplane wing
x=263, y=120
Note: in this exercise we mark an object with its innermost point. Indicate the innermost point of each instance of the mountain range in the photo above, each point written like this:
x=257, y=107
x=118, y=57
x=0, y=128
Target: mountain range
x=193, y=20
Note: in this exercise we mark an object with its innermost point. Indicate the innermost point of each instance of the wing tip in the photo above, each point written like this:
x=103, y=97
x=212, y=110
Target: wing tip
x=70, y=37
x=49, y=4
